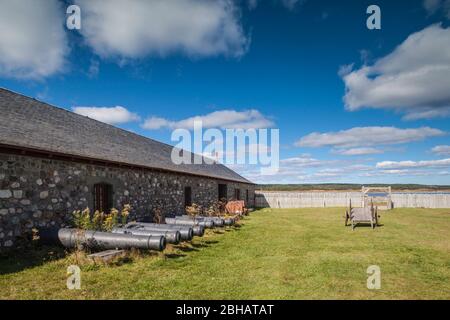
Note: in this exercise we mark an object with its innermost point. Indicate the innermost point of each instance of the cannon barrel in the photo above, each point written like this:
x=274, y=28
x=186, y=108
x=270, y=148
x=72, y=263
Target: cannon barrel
x=198, y=230
x=218, y=222
x=172, y=236
x=190, y=222
x=193, y=230
x=187, y=232
x=229, y=221
x=72, y=238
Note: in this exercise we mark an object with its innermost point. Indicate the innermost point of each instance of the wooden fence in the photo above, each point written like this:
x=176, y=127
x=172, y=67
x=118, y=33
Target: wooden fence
x=341, y=199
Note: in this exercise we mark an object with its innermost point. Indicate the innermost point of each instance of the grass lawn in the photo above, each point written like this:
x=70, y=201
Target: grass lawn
x=275, y=254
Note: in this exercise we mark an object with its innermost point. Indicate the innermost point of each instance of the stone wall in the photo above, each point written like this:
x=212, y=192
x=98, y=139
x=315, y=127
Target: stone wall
x=36, y=192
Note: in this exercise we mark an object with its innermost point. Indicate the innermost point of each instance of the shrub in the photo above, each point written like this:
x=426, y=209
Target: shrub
x=217, y=209
x=125, y=213
x=82, y=219
x=111, y=220
x=158, y=216
x=99, y=221
x=77, y=219
x=86, y=219
x=193, y=210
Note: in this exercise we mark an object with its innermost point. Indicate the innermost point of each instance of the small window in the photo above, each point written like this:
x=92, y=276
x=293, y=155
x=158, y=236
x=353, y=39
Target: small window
x=223, y=192
x=187, y=196
x=246, y=196
x=103, y=197
x=237, y=194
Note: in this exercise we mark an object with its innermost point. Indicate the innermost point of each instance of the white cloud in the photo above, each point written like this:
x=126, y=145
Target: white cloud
x=357, y=151
x=291, y=4
x=252, y=4
x=136, y=28
x=33, y=42
x=432, y=6
x=396, y=173
x=250, y=148
x=345, y=69
x=305, y=161
x=94, y=69
x=291, y=170
x=367, y=136
x=155, y=123
x=442, y=150
x=113, y=115
x=413, y=164
x=304, y=169
x=446, y=8
x=43, y=94
x=250, y=119
x=414, y=79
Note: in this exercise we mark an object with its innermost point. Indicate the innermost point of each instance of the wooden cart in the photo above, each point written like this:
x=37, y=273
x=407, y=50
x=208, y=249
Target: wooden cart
x=356, y=216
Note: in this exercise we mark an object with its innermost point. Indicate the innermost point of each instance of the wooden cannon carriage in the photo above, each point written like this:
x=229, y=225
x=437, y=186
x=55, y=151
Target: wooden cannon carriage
x=368, y=214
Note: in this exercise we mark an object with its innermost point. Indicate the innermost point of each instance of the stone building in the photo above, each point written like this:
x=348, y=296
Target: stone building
x=53, y=162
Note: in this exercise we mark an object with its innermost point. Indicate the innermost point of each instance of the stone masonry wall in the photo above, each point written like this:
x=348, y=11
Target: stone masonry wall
x=36, y=192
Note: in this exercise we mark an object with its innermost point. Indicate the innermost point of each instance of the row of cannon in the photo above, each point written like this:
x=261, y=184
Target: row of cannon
x=140, y=235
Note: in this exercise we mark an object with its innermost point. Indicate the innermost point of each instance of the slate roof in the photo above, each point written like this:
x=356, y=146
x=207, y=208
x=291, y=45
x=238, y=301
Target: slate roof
x=31, y=124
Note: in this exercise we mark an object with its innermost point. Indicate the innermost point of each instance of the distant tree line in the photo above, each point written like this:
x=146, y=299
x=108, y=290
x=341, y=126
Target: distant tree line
x=347, y=186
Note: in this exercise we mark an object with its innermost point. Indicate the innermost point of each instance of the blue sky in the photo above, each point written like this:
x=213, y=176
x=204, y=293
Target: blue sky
x=350, y=107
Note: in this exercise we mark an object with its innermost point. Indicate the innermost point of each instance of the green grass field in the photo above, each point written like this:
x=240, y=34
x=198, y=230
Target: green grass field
x=275, y=254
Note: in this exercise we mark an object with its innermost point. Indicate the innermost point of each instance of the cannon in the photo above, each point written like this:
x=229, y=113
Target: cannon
x=190, y=222
x=229, y=221
x=73, y=238
x=187, y=232
x=218, y=222
x=172, y=236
